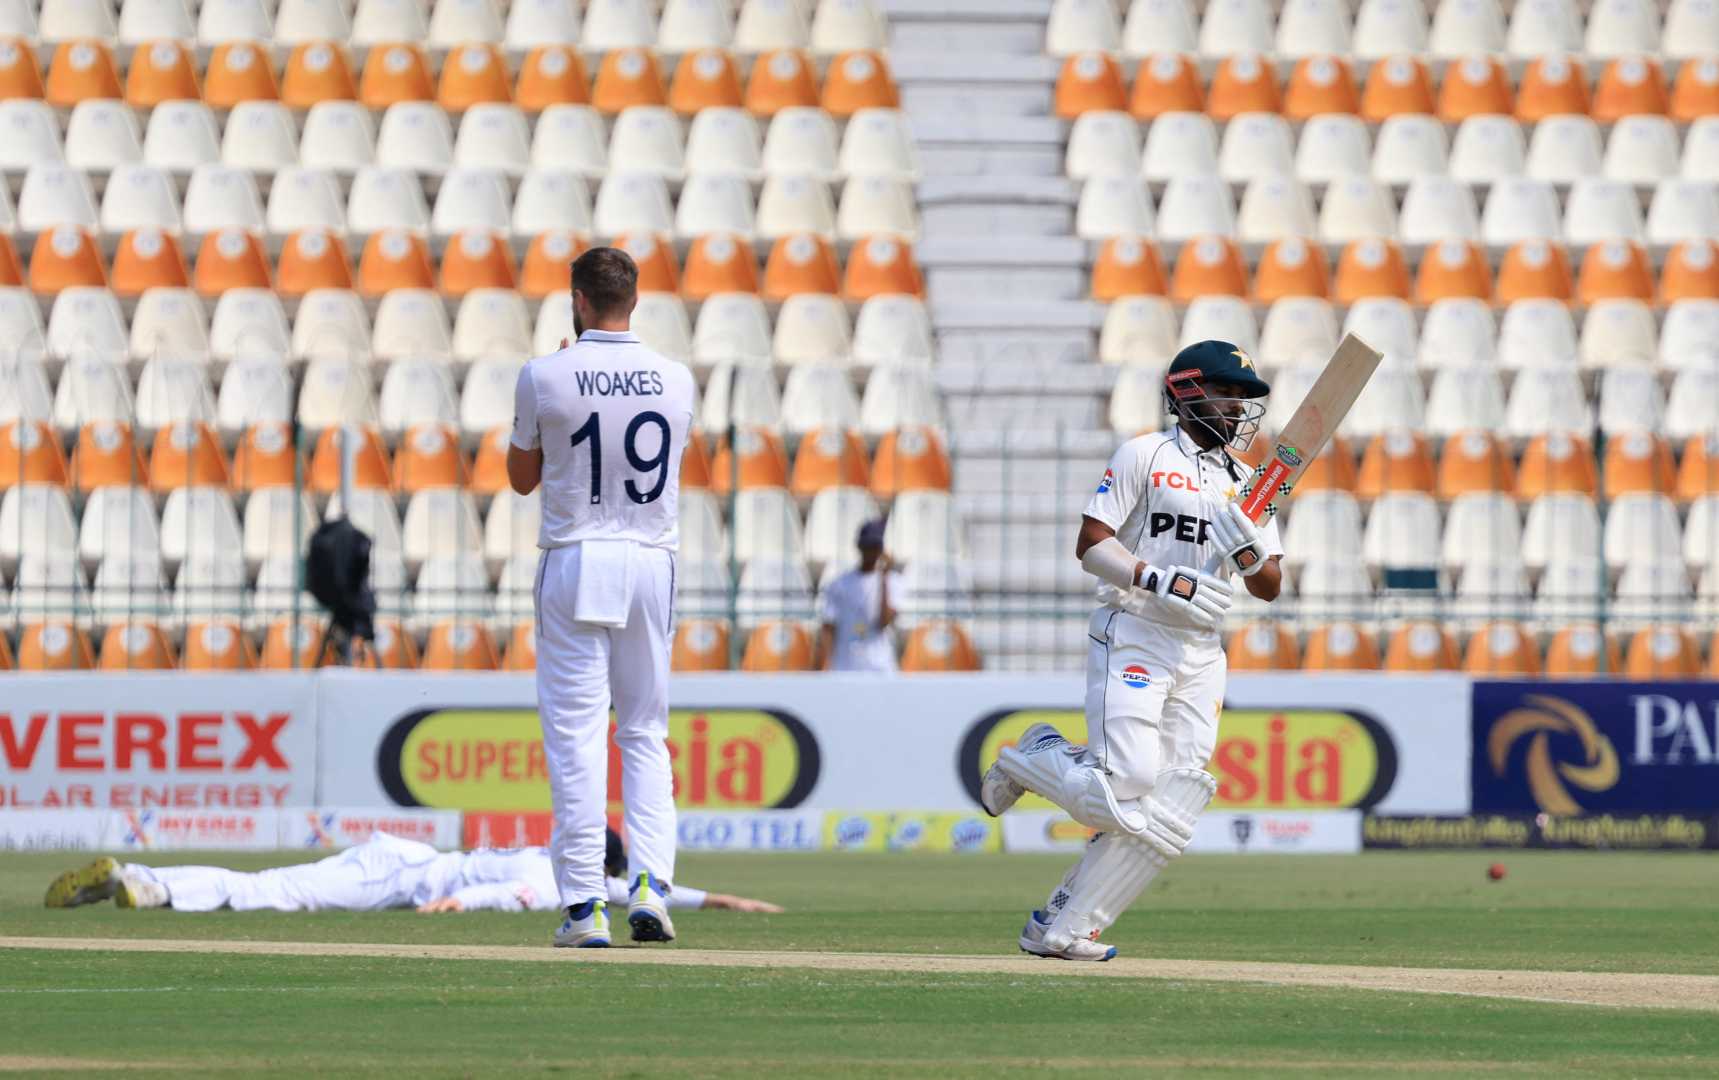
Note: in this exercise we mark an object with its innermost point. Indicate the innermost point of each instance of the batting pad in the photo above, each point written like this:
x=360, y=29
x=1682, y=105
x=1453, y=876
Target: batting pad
x=1065, y=774
x=1113, y=872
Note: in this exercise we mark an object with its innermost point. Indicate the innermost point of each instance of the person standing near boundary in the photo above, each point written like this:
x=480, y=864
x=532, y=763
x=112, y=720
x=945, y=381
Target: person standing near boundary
x=602, y=424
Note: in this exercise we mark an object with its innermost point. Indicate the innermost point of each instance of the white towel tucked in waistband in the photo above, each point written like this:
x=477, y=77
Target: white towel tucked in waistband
x=605, y=589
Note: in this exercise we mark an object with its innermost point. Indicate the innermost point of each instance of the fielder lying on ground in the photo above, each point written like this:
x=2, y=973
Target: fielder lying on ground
x=383, y=873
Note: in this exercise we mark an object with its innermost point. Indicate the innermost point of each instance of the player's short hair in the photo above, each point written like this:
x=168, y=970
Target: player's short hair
x=608, y=277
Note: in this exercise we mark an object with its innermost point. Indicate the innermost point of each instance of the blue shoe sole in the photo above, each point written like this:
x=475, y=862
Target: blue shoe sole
x=602, y=943
x=647, y=927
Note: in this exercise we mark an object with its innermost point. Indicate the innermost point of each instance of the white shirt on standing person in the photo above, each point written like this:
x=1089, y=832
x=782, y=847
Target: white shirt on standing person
x=858, y=608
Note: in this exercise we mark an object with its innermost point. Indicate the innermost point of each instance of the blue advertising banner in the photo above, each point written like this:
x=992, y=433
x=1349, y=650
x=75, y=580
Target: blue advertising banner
x=1569, y=748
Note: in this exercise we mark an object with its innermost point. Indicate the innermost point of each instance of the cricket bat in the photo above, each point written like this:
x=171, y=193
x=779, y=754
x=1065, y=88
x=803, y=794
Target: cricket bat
x=1314, y=422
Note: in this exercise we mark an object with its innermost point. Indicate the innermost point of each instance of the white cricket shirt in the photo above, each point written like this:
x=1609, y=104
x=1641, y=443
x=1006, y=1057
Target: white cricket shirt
x=612, y=419
x=1157, y=494
x=852, y=606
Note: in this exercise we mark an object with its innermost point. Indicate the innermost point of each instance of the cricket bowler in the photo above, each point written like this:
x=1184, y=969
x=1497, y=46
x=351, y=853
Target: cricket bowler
x=1163, y=534
x=381, y=874
x=601, y=425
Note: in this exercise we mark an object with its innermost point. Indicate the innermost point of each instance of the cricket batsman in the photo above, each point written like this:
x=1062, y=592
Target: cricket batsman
x=1164, y=535
x=602, y=426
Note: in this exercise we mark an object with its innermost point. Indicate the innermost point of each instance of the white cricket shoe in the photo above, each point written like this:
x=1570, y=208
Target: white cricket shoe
x=1033, y=941
x=998, y=791
x=139, y=893
x=647, y=911
x=94, y=883
x=585, y=927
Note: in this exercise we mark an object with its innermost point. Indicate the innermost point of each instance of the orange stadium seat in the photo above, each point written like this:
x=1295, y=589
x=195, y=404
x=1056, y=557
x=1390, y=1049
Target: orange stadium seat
x=1341, y=646
x=1319, y=85
x=239, y=71
x=826, y=458
x=1633, y=86
x=138, y=645
x=1370, y=268
x=395, y=73
x=1208, y=266
x=1534, y=269
x=20, y=75
x=30, y=454
x=429, y=456
x=395, y=259
x=628, y=78
x=289, y=646
x=1243, y=83
x=11, y=273
x=313, y=259
x=1127, y=266
x=520, y=653
x=700, y=645
x=217, y=644
x=187, y=454
x=801, y=263
x=160, y=71
x=719, y=263
x=1612, y=270
x=654, y=257
x=763, y=462
x=105, y=455
x=477, y=260
x=1166, y=83
x=1556, y=462
x=551, y=75
x=317, y=72
x=1291, y=267
x=1502, y=649
x=392, y=649
x=695, y=462
x=370, y=471
x=7, y=663
x=1696, y=93
x=784, y=79
x=1420, y=646
x=1394, y=461
x=1477, y=86
x=1691, y=272
x=1552, y=86
x=780, y=646
x=881, y=266
x=265, y=458
x=1090, y=82
x=54, y=645
x=81, y=71
x=1450, y=269
x=1698, y=471
x=1581, y=649
x=489, y=467
x=148, y=259
x=66, y=256
x=473, y=74
x=859, y=80
x=940, y=645
x=1638, y=461
x=1712, y=671
x=544, y=271
x=1662, y=652
x=231, y=259
x=1474, y=461
x=705, y=79
x=1397, y=85
x=1263, y=646
x=909, y=459
x=459, y=645
x=1332, y=470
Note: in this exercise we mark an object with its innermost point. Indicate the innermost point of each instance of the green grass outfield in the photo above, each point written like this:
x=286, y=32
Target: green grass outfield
x=434, y=1017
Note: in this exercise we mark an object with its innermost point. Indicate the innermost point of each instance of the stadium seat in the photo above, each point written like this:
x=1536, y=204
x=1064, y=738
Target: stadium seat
x=217, y=645
x=80, y=71
x=911, y=458
x=1394, y=460
x=55, y=644
x=628, y=77
x=454, y=22
x=833, y=521
x=1088, y=82
x=474, y=74
x=1638, y=462
x=238, y=71
x=1437, y=208
x=1420, y=646
x=762, y=461
x=1244, y=82
x=551, y=77
x=1340, y=646
x=1116, y=206
x=1320, y=86
x=266, y=458
x=779, y=645
x=1693, y=403
x=1662, y=652
x=1368, y=267
x=30, y=454
x=1396, y=84
x=371, y=470
x=450, y=587
x=700, y=645
x=941, y=645
x=290, y=645
x=1474, y=460
x=1414, y=144
x=519, y=652
x=1502, y=650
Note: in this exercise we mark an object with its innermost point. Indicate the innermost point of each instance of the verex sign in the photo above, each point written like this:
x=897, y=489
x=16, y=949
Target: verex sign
x=172, y=742
x=1596, y=747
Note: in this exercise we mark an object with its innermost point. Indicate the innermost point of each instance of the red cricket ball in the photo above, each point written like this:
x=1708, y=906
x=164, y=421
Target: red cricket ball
x=1495, y=871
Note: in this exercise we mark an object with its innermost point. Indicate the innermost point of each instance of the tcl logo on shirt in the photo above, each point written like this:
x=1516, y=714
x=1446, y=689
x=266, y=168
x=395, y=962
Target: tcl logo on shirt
x=1179, y=481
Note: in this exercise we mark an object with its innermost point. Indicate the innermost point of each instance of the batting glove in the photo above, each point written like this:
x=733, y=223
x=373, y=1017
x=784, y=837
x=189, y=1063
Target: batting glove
x=1238, y=538
x=1180, y=594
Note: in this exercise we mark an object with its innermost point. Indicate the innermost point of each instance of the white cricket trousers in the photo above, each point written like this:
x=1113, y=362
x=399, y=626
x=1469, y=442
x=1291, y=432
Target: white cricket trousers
x=379, y=874
x=581, y=668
